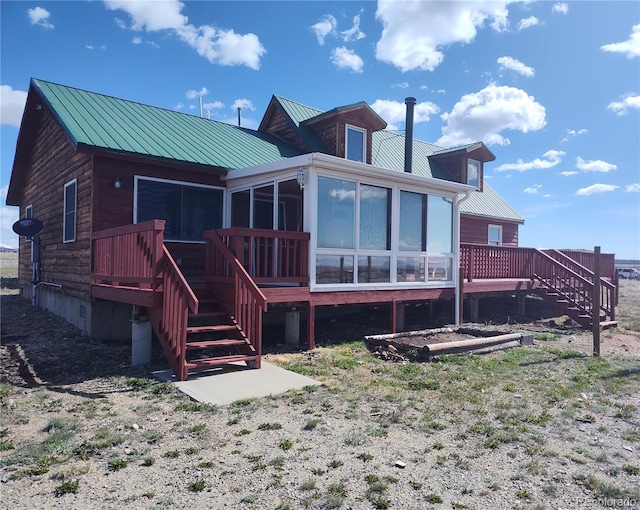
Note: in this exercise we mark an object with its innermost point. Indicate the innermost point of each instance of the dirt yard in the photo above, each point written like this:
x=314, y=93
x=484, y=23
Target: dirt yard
x=546, y=426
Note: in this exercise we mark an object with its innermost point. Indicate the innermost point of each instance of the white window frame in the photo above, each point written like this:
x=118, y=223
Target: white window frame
x=348, y=127
x=65, y=238
x=394, y=253
x=499, y=229
x=479, y=164
x=137, y=178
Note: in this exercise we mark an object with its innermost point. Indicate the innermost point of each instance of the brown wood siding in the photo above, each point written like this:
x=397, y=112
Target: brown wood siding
x=280, y=126
x=114, y=207
x=475, y=229
x=53, y=163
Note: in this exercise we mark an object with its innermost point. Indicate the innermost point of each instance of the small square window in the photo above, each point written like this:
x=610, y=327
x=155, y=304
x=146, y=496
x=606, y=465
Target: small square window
x=495, y=235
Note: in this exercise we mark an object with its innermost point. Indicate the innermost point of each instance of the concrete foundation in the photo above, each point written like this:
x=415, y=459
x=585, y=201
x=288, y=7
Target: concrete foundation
x=140, y=342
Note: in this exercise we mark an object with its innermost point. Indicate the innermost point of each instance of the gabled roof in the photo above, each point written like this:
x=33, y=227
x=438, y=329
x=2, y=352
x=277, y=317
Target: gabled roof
x=375, y=120
x=99, y=122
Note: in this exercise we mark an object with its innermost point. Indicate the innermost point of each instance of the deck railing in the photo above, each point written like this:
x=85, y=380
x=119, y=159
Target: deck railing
x=236, y=289
x=128, y=256
x=270, y=256
x=587, y=259
x=556, y=269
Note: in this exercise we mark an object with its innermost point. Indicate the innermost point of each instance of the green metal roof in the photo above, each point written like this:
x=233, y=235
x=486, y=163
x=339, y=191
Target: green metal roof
x=112, y=124
x=297, y=112
x=489, y=203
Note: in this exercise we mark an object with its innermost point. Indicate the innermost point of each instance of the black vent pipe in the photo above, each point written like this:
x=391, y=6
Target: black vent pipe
x=408, y=135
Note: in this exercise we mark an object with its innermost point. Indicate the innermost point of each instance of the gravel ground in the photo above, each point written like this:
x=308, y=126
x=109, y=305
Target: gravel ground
x=546, y=426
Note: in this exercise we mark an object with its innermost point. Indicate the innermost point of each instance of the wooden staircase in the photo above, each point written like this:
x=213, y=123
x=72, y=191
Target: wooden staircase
x=213, y=337
x=569, y=287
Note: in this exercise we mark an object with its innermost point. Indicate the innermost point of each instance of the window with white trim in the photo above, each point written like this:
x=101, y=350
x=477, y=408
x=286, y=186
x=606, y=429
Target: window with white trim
x=70, y=205
x=494, y=236
x=355, y=143
x=473, y=173
x=188, y=209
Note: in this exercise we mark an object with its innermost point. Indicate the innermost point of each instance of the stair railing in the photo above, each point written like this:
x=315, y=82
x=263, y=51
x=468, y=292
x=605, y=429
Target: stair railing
x=607, y=289
x=246, y=300
x=573, y=286
x=170, y=321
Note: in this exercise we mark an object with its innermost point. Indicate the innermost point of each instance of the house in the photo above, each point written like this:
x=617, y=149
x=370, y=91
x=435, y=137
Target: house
x=198, y=224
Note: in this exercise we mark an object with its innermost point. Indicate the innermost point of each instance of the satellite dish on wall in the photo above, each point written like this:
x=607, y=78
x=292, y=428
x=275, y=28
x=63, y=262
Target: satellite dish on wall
x=27, y=227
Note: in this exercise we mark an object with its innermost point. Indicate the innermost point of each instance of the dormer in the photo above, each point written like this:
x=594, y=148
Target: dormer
x=464, y=164
x=346, y=131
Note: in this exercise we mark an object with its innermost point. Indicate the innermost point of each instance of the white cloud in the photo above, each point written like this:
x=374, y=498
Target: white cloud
x=631, y=46
x=92, y=47
x=213, y=105
x=594, y=165
x=11, y=106
x=529, y=22
x=218, y=46
x=483, y=115
x=632, y=188
x=137, y=40
x=354, y=33
x=415, y=32
x=571, y=133
x=8, y=216
x=40, y=16
x=244, y=104
x=325, y=27
x=569, y=173
x=193, y=94
x=533, y=190
x=517, y=66
x=623, y=107
x=344, y=58
x=402, y=85
x=596, y=188
x=178, y=106
x=549, y=159
x=394, y=112
x=561, y=7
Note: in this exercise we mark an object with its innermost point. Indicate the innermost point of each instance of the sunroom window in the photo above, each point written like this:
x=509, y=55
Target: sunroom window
x=355, y=143
x=188, y=209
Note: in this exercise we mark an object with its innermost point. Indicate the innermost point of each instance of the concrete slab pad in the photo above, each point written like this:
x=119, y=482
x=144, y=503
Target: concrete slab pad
x=229, y=383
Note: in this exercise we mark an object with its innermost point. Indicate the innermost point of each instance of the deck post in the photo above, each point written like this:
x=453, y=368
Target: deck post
x=521, y=304
x=595, y=302
x=474, y=305
x=311, y=319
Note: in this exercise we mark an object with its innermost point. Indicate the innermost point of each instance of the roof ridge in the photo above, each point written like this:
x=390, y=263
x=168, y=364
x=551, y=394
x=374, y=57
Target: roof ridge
x=36, y=81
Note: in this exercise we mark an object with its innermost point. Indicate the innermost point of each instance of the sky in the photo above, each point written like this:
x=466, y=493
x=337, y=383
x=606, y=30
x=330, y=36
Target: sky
x=552, y=88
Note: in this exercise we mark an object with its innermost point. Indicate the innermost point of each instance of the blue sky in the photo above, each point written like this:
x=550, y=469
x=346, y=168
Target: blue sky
x=553, y=88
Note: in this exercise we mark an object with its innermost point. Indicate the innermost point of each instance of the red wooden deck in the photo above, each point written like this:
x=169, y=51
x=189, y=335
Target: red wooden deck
x=249, y=268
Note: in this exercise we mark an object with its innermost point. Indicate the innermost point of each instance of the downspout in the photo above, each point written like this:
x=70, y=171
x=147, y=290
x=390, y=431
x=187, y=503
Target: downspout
x=457, y=203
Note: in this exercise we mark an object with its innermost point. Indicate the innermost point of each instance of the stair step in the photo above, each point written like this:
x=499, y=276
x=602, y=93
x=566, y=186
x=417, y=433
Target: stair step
x=222, y=360
x=219, y=313
x=211, y=329
x=608, y=324
x=207, y=344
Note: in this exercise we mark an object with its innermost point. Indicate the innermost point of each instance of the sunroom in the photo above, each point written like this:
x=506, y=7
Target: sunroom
x=368, y=227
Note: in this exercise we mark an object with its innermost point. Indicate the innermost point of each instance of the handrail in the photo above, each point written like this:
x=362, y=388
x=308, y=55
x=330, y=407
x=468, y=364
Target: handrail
x=248, y=302
x=170, y=323
x=572, y=285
